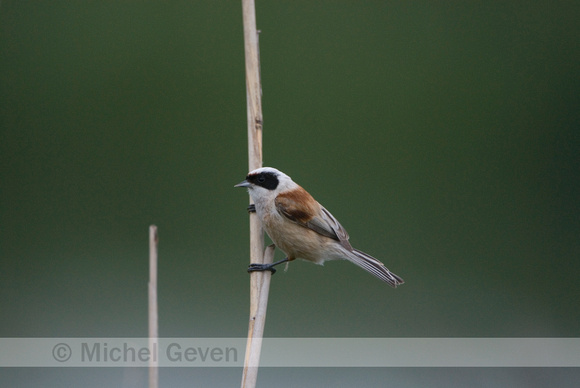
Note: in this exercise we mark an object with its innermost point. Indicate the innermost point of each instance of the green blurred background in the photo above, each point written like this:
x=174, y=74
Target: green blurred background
x=445, y=137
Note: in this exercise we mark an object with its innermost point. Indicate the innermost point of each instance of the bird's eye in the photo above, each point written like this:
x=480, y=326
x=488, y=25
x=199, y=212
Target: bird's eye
x=261, y=179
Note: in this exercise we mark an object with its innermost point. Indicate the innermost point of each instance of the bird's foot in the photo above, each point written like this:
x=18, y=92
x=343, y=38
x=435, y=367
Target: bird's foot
x=254, y=267
x=252, y=208
x=265, y=267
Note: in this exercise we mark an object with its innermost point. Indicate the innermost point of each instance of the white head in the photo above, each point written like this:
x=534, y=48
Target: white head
x=267, y=182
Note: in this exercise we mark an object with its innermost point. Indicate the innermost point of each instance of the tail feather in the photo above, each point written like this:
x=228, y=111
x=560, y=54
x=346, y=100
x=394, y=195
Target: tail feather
x=375, y=267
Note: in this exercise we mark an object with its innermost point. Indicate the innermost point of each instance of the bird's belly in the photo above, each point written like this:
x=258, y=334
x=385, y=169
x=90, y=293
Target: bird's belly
x=297, y=241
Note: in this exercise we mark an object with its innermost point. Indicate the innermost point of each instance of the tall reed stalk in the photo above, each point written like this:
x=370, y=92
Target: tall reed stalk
x=259, y=281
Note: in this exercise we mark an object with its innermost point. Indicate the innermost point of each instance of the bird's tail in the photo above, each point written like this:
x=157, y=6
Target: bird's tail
x=375, y=267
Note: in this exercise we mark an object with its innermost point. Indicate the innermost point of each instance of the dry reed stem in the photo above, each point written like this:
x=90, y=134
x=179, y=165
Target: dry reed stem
x=257, y=324
x=153, y=316
x=258, y=292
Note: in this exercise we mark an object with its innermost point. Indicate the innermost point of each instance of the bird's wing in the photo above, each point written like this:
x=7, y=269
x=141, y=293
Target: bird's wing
x=328, y=219
x=322, y=223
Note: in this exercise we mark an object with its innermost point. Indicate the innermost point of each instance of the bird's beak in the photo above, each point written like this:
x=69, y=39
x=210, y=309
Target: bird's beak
x=243, y=183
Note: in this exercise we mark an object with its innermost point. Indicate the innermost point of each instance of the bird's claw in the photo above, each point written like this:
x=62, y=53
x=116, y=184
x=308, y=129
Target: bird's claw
x=261, y=267
x=252, y=208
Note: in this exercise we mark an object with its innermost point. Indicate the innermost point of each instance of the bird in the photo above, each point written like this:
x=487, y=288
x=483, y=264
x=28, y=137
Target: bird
x=301, y=227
